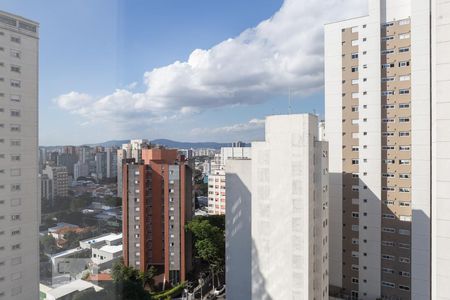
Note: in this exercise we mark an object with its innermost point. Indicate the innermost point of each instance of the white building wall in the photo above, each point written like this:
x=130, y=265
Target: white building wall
x=333, y=133
x=440, y=152
x=238, y=230
x=421, y=150
x=370, y=155
x=19, y=209
x=283, y=210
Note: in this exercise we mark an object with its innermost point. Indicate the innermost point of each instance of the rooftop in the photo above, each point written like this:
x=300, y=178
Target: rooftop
x=103, y=238
x=74, y=286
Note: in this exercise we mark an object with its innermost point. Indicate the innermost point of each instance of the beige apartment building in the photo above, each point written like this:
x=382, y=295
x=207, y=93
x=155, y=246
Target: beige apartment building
x=387, y=124
x=19, y=196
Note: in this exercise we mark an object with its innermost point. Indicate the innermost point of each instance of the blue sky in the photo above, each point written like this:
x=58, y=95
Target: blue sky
x=89, y=49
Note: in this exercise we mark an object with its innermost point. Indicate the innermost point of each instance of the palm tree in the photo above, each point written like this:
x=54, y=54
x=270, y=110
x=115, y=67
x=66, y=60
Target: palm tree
x=147, y=277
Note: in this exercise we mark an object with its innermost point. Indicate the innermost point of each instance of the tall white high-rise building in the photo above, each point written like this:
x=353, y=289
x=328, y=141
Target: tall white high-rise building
x=285, y=196
x=216, y=179
x=387, y=77
x=131, y=150
x=19, y=191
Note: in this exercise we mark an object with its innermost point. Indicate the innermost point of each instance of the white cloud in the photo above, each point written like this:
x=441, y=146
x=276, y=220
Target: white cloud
x=74, y=101
x=285, y=51
x=254, y=124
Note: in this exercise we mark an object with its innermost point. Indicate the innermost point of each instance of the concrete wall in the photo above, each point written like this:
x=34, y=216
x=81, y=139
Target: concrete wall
x=238, y=230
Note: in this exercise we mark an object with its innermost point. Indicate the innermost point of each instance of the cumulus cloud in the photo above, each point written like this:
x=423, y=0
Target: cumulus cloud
x=281, y=53
x=254, y=124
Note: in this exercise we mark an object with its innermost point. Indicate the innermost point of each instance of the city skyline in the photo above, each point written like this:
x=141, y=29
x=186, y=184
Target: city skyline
x=232, y=107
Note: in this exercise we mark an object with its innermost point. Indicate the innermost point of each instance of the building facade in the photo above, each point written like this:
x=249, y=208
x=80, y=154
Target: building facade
x=387, y=116
x=157, y=203
x=19, y=185
x=288, y=209
x=216, y=177
x=60, y=180
x=130, y=150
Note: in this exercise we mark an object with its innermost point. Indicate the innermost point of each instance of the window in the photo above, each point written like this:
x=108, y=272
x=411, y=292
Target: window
x=388, y=120
x=405, y=204
x=355, y=55
x=355, y=267
x=389, y=216
x=404, y=260
x=15, y=98
x=387, y=243
x=15, y=143
x=354, y=69
x=15, y=53
x=355, y=228
x=388, y=271
x=387, y=51
x=403, y=120
x=403, y=64
x=387, y=93
x=405, y=218
x=388, y=284
x=404, y=190
x=355, y=280
x=404, y=246
x=404, y=232
x=389, y=106
x=403, y=133
x=389, y=24
x=355, y=81
x=386, y=79
x=403, y=105
x=354, y=108
x=355, y=121
x=404, y=161
x=389, y=202
x=388, y=257
x=15, y=113
x=404, y=176
x=355, y=215
x=387, y=66
x=404, y=22
x=388, y=230
x=15, y=83
x=355, y=95
x=15, y=187
x=15, y=232
x=355, y=188
x=389, y=161
x=404, y=36
x=355, y=29
x=355, y=254
x=355, y=43
x=403, y=50
x=15, y=247
x=388, y=147
x=404, y=91
x=403, y=287
x=387, y=38
x=15, y=39
x=15, y=157
x=355, y=148
x=15, y=69
x=355, y=161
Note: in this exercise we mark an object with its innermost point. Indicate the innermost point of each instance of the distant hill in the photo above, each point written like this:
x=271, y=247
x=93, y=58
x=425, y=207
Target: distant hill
x=170, y=144
x=163, y=142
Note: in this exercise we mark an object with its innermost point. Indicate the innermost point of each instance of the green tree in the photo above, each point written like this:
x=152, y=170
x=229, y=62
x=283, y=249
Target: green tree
x=48, y=244
x=209, y=243
x=147, y=277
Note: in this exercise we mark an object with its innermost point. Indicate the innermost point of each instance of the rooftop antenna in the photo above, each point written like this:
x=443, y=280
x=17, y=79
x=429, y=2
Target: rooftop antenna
x=289, y=101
